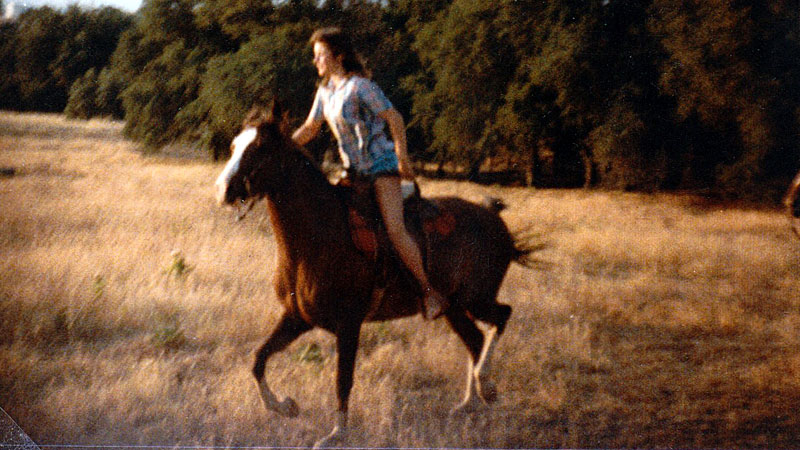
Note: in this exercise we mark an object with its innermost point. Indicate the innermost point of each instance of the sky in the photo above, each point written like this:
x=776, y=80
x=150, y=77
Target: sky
x=125, y=5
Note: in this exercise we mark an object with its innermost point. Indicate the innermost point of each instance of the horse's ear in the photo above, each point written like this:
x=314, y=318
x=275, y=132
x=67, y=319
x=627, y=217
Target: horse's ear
x=279, y=116
x=276, y=111
x=255, y=117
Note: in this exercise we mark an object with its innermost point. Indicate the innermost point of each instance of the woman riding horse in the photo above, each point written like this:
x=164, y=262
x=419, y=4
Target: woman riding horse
x=357, y=112
x=467, y=261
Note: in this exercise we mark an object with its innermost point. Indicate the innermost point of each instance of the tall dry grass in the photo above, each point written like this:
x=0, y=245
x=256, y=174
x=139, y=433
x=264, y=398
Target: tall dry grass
x=130, y=306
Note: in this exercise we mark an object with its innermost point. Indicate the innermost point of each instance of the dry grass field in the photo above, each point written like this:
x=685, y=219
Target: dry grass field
x=131, y=305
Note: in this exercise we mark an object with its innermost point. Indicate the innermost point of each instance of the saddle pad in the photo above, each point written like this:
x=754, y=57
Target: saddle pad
x=442, y=224
x=363, y=236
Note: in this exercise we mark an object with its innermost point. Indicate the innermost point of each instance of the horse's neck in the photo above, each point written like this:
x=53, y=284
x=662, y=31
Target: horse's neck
x=305, y=212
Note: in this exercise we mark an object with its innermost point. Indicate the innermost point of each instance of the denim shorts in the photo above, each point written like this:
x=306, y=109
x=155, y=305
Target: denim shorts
x=386, y=163
x=372, y=176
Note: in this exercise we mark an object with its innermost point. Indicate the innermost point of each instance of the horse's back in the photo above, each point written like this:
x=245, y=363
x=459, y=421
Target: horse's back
x=466, y=258
x=481, y=226
x=472, y=260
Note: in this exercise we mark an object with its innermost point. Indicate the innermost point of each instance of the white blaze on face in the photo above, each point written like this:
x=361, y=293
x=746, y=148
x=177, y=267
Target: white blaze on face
x=240, y=144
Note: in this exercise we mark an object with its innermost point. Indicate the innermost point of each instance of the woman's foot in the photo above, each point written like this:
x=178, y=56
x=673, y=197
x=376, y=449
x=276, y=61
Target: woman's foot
x=434, y=304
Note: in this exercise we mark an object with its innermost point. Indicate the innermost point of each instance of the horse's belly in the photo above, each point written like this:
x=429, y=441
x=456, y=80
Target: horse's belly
x=391, y=303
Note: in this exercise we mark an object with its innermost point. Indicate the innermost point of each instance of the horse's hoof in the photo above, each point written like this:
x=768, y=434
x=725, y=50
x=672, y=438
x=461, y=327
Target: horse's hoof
x=465, y=407
x=335, y=439
x=289, y=408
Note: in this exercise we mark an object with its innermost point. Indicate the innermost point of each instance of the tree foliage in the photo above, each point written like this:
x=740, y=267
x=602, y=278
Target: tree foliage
x=732, y=68
x=640, y=95
x=466, y=57
x=267, y=68
x=45, y=51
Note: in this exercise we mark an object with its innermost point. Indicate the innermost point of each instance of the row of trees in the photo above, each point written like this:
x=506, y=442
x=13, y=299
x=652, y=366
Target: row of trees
x=44, y=52
x=653, y=94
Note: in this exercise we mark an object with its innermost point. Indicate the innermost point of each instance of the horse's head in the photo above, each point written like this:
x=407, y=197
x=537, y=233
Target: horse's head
x=256, y=150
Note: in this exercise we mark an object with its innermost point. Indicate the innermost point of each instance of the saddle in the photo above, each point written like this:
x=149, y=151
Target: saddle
x=424, y=220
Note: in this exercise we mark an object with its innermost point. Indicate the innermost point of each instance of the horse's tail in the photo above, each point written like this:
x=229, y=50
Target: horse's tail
x=525, y=244
x=493, y=204
x=525, y=248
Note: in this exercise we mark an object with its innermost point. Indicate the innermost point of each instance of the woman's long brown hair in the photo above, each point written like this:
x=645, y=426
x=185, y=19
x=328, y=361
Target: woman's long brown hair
x=340, y=45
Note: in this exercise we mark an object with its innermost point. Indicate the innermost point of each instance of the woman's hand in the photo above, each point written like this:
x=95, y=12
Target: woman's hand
x=397, y=128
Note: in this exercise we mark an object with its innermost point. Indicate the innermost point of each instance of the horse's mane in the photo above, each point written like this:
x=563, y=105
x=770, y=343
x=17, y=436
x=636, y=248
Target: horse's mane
x=256, y=117
x=259, y=117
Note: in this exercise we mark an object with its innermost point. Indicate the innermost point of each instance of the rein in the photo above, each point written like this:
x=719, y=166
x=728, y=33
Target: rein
x=246, y=205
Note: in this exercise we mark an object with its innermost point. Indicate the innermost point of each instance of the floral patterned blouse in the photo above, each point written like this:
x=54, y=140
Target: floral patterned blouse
x=351, y=111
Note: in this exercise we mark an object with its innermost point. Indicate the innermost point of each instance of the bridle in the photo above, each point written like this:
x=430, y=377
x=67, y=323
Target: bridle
x=244, y=207
x=246, y=204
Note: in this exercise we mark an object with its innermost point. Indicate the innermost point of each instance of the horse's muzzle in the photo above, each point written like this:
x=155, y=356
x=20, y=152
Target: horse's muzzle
x=228, y=193
x=219, y=193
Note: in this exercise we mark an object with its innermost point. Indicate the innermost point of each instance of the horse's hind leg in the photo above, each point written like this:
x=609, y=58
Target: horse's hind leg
x=475, y=342
x=481, y=346
x=496, y=315
x=287, y=330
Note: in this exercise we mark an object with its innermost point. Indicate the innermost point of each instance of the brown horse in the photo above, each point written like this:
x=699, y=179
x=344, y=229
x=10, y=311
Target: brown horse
x=324, y=280
x=792, y=203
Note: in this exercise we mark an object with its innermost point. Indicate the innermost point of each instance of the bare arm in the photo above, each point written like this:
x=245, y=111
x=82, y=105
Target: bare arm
x=307, y=131
x=397, y=128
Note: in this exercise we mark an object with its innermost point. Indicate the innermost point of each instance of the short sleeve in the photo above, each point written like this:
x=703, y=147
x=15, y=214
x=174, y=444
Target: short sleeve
x=316, y=108
x=372, y=96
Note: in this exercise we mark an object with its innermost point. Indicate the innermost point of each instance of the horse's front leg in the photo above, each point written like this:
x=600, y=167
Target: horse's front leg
x=346, y=347
x=288, y=329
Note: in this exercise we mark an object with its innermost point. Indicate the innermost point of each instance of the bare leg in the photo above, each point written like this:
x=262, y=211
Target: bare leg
x=287, y=330
x=390, y=200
